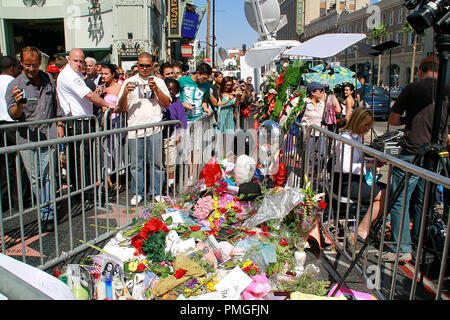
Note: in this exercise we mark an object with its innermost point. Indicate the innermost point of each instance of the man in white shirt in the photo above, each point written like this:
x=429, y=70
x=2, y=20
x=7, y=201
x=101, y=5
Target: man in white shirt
x=9, y=69
x=142, y=96
x=77, y=99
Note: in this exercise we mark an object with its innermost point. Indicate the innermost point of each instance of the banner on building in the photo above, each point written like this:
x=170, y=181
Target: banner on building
x=174, y=19
x=300, y=18
x=190, y=23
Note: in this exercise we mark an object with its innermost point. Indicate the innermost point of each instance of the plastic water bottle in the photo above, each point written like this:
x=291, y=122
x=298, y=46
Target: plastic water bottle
x=63, y=158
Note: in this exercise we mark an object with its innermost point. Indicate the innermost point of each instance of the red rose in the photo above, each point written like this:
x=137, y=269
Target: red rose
x=322, y=204
x=230, y=231
x=195, y=228
x=140, y=267
x=283, y=242
x=179, y=273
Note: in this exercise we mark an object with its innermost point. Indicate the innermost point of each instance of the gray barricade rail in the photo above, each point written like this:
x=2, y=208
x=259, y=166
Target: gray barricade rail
x=89, y=212
x=395, y=280
x=83, y=211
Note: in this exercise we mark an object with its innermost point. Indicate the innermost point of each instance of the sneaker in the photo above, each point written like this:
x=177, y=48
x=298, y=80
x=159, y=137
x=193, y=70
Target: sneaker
x=48, y=225
x=135, y=200
x=157, y=198
x=390, y=256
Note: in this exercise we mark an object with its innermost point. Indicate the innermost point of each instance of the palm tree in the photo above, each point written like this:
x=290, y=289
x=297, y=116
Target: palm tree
x=378, y=34
x=406, y=29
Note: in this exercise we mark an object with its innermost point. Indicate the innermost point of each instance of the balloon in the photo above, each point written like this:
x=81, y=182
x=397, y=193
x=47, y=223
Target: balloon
x=270, y=134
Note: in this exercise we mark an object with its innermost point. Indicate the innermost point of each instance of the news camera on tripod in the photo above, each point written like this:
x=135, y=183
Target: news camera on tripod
x=422, y=108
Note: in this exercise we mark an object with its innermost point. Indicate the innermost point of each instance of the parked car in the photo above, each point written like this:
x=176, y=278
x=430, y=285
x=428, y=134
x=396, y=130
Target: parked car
x=378, y=103
x=395, y=92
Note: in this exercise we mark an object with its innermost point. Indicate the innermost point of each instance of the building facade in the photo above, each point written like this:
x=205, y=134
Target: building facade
x=108, y=30
x=396, y=64
x=301, y=13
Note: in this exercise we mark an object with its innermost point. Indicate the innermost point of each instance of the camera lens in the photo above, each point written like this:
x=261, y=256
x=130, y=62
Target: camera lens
x=426, y=15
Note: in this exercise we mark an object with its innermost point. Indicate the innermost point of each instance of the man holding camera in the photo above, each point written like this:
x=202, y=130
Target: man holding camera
x=142, y=96
x=32, y=97
x=416, y=102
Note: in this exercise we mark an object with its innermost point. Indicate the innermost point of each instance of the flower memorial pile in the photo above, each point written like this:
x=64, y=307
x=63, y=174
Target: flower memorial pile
x=283, y=100
x=200, y=246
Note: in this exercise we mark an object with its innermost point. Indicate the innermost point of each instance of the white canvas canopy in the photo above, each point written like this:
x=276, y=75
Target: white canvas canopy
x=326, y=45
x=265, y=51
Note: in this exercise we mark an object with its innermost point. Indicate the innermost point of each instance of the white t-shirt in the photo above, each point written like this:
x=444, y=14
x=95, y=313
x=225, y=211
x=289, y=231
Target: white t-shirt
x=355, y=161
x=141, y=108
x=72, y=91
x=4, y=81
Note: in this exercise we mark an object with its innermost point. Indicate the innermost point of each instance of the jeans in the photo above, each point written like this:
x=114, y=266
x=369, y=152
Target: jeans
x=37, y=166
x=153, y=157
x=396, y=211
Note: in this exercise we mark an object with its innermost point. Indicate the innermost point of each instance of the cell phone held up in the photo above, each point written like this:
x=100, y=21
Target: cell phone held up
x=24, y=97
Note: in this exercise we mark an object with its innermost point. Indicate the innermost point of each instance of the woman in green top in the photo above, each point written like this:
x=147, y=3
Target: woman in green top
x=226, y=105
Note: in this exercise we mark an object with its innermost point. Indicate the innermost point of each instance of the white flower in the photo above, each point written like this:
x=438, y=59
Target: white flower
x=319, y=196
x=273, y=91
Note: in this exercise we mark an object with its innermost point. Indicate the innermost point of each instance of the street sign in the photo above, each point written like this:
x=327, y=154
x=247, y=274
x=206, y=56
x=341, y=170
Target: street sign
x=187, y=51
x=189, y=27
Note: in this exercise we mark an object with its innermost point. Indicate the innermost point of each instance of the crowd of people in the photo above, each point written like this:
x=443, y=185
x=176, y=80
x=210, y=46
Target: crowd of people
x=77, y=86
x=152, y=92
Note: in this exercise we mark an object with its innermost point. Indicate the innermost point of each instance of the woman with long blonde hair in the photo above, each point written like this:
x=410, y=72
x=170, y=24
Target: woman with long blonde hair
x=359, y=124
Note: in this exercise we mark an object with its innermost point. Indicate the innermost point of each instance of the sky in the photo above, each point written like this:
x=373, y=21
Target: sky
x=231, y=28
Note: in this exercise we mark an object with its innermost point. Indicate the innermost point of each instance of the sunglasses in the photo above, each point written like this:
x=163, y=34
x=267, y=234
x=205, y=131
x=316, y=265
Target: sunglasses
x=145, y=65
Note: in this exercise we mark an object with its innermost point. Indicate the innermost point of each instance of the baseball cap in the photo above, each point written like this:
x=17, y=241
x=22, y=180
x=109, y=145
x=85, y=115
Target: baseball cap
x=313, y=86
x=52, y=69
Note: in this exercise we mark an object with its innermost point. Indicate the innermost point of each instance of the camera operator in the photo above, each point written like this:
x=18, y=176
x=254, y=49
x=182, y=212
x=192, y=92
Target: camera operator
x=417, y=103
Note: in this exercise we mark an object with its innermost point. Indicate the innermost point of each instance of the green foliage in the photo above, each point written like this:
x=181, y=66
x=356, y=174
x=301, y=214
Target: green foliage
x=154, y=247
x=159, y=270
x=295, y=111
x=308, y=283
x=378, y=33
x=291, y=79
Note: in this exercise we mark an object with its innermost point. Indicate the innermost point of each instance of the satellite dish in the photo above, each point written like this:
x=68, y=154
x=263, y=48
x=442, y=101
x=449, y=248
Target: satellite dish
x=263, y=53
x=263, y=15
x=223, y=54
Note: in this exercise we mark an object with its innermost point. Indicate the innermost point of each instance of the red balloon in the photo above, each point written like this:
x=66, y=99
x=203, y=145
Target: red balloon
x=211, y=172
x=279, y=179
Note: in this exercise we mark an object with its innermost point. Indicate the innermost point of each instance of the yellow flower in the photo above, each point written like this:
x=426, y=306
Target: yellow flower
x=132, y=266
x=217, y=214
x=247, y=264
x=210, y=286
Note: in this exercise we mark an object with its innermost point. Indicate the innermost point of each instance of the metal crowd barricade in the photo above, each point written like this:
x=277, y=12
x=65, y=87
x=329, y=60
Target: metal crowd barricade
x=386, y=280
x=293, y=155
x=19, y=189
x=82, y=216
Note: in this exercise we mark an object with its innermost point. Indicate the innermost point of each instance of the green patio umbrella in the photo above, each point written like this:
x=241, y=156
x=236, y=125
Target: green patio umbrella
x=330, y=77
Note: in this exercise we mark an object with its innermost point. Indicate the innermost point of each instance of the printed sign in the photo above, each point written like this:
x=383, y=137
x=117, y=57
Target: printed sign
x=190, y=22
x=174, y=19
